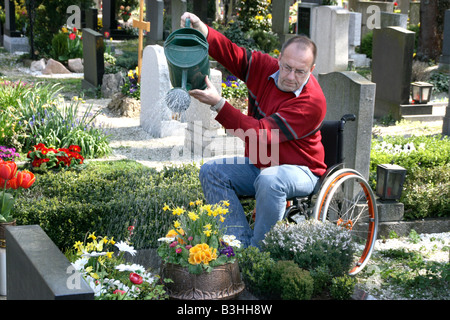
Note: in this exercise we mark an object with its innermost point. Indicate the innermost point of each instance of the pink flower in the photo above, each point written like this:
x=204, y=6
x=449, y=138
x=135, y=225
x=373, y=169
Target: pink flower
x=178, y=250
x=188, y=247
x=173, y=244
x=118, y=291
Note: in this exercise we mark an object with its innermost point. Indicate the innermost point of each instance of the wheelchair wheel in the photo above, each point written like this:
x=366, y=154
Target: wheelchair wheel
x=347, y=200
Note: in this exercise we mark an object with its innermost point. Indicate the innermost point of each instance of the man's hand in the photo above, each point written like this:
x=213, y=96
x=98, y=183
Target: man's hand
x=196, y=23
x=210, y=95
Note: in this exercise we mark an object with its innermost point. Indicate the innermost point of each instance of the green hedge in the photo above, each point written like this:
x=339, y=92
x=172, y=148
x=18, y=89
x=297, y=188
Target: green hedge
x=107, y=197
x=426, y=191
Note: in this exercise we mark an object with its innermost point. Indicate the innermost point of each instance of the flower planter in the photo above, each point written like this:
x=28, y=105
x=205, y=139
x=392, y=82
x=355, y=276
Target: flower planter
x=222, y=283
x=3, y=232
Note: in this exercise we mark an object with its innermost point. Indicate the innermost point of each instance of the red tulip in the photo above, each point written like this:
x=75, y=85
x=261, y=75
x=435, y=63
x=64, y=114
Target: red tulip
x=14, y=183
x=8, y=170
x=72, y=36
x=27, y=178
x=135, y=278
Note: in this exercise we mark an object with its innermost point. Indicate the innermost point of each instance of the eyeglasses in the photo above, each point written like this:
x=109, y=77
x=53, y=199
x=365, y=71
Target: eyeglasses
x=287, y=69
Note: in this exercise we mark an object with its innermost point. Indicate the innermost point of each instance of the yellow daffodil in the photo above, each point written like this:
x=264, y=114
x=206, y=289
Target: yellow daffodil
x=166, y=207
x=176, y=224
x=193, y=216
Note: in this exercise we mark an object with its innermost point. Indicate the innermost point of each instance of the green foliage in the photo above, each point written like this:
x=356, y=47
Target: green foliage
x=439, y=81
x=342, y=287
x=427, y=159
x=51, y=16
x=127, y=60
x=256, y=269
x=311, y=244
x=322, y=278
x=290, y=282
x=366, y=45
x=255, y=14
x=427, y=193
x=107, y=197
x=60, y=45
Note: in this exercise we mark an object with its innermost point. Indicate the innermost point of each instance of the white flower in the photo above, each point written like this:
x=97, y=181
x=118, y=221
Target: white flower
x=123, y=246
x=127, y=267
x=80, y=263
x=231, y=241
x=167, y=239
x=93, y=254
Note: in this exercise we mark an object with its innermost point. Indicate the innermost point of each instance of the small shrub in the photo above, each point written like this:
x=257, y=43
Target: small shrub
x=256, y=269
x=342, y=287
x=322, y=278
x=290, y=282
x=311, y=244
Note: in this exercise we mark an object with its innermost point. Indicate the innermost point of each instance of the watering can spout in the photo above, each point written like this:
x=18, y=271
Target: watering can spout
x=186, y=51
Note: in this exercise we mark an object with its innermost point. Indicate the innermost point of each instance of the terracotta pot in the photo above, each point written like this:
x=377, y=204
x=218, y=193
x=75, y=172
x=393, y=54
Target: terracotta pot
x=222, y=283
x=3, y=232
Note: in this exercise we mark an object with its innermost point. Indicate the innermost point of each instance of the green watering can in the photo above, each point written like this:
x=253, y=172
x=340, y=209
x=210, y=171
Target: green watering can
x=186, y=51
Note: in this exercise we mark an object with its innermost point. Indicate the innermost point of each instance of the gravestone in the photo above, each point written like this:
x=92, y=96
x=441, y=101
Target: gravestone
x=205, y=137
x=13, y=41
x=389, y=19
x=280, y=19
x=354, y=40
x=348, y=92
x=94, y=64
x=446, y=120
x=371, y=13
x=328, y=23
x=178, y=7
x=444, y=59
x=392, y=55
x=38, y=270
x=91, y=18
x=414, y=12
x=304, y=18
x=156, y=118
x=154, y=14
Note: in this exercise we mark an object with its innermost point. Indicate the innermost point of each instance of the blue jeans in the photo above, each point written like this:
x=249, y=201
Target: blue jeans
x=229, y=178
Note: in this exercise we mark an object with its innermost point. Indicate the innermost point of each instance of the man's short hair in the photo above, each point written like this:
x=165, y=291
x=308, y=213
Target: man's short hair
x=303, y=41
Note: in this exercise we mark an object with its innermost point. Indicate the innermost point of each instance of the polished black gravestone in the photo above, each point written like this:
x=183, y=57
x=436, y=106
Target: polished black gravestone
x=93, y=59
x=37, y=270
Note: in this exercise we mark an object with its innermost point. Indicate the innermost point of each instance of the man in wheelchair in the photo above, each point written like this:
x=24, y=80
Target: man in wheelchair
x=284, y=156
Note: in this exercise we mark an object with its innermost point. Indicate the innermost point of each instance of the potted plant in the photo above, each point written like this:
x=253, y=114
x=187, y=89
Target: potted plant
x=197, y=256
x=11, y=179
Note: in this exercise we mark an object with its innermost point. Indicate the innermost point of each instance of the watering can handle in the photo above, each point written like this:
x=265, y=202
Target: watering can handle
x=188, y=23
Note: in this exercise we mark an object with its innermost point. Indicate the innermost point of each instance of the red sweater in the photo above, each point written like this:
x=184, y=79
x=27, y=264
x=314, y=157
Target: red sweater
x=280, y=127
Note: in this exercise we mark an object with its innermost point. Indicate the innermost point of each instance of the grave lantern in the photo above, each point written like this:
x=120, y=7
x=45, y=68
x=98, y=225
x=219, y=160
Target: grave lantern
x=390, y=178
x=421, y=91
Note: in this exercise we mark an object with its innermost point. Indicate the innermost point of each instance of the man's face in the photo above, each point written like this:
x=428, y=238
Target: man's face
x=296, y=64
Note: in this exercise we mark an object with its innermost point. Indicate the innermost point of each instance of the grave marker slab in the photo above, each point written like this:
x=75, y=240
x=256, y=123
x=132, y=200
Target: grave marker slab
x=38, y=270
x=392, y=56
x=328, y=23
x=94, y=64
x=348, y=92
x=154, y=14
x=444, y=59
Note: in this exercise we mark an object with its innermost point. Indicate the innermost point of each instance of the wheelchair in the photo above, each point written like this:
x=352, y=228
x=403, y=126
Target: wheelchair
x=342, y=196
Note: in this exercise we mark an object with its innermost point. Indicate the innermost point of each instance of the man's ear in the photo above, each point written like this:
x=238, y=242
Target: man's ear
x=312, y=68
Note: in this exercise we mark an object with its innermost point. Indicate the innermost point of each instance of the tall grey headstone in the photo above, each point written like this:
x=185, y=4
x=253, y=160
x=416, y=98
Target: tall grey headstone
x=446, y=120
x=390, y=19
x=444, y=59
x=349, y=92
x=280, y=19
x=154, y=14
x=178, y=7
x=328, y=23
x=156, y=118
x=392, y=55
x=94, y=64
x=38, y=270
